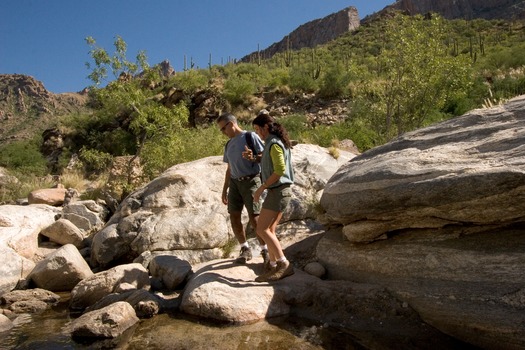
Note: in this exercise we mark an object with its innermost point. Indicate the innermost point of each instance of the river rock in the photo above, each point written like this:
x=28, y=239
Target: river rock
x=61, y=270
x=234, y=296
x=171, y=270
x=315, y=269
x=20, y=226
x=49, y=196
x=13, y=268
x=115, y=280
x=108, y=322
x=87, y=215
x=145, y=303
x=19, y=230
x=29, y=301
x=64, y=232
x=5, y=323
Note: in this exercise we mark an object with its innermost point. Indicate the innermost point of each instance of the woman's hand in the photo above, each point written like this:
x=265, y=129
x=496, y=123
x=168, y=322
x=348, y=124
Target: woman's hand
x=225, y=196
x=257, y=195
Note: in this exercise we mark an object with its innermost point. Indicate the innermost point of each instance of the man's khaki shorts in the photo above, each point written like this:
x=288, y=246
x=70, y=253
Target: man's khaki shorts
x=240, y=195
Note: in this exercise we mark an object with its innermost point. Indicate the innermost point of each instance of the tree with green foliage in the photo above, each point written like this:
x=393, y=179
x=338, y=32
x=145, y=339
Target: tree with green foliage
x=418, y=76
x=127, y=105
x=117, y=63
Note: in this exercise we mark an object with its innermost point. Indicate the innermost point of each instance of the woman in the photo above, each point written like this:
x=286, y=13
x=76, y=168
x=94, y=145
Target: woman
x=277, y=177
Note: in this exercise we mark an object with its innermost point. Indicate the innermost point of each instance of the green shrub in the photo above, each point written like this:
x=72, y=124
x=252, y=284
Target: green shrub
x=190, y=81
x=26, y=183
x=334, y=83
x=238, y=90
x=301, y=79
x=94, y=160
x=24, y=157
x=296, y=125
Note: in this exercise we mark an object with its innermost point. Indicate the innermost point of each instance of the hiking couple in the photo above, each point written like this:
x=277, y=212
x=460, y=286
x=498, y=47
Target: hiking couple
x=253, y=168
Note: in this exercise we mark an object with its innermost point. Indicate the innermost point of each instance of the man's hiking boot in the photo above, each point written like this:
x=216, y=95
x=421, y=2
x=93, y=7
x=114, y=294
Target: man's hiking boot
x=265, y=256
x=244, y=256
x=283, y=269
x=266, y=261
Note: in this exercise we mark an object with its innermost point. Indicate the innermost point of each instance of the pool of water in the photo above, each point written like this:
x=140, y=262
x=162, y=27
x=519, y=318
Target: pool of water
x=178, y=331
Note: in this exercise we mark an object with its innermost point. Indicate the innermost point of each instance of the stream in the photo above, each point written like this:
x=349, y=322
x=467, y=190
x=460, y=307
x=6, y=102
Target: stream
x=178, y=331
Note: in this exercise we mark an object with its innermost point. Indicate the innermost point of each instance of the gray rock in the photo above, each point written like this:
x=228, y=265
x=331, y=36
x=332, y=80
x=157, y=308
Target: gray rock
x=61, y=270
x=13, y=269
x=315, y=269
x=145, y=303
x=29, y=301
x=224, y=291
x=86, y=215
x=119, y=279
x=64, y=232
x=468, y=171
x=19, y=230
x=5, y=323
x=171, y=270
x=437, y=217
x=108, y=322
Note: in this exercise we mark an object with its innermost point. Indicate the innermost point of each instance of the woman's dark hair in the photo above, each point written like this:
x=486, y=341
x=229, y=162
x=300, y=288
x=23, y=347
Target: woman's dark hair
x=273, y=127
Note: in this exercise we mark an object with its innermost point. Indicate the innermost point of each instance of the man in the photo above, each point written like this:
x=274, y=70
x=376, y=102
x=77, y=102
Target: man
x=241, y=181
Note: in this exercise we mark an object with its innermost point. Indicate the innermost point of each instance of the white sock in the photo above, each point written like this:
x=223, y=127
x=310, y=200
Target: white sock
x=273, y=263
x=283, y=259
x=264, y=247
x=245, y=244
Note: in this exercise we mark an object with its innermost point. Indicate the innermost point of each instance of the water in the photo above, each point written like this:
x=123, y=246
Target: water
x=178, y=331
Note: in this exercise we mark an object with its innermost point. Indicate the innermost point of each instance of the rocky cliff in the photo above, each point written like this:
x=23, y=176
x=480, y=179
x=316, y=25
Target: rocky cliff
x=27, y=107
x=313, y=33
x=467, y=9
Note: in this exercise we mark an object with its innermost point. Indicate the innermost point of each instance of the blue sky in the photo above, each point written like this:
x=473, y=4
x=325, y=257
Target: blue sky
x=45, y=38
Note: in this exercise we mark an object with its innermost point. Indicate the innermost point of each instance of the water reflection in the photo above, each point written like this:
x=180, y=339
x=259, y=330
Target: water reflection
x=176, y=331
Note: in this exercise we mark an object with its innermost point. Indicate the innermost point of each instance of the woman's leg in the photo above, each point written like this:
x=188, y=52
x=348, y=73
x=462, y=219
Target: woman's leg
x=266, y=226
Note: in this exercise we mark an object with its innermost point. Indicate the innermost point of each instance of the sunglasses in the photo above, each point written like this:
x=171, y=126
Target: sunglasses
x=224, y=127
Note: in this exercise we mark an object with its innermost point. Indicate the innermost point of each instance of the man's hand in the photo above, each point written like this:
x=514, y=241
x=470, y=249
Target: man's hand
x=248, y=154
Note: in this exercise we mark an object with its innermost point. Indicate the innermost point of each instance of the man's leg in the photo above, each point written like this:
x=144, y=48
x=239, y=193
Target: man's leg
x=238, y=230
x=264, y=248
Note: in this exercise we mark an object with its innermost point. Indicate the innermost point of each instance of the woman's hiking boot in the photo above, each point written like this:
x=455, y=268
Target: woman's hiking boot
x=282, y=270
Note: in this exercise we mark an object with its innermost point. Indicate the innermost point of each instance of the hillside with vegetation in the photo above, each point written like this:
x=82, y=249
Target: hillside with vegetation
x=392, y=75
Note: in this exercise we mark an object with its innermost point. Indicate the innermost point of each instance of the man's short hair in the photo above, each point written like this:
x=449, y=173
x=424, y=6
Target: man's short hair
x=227, y=117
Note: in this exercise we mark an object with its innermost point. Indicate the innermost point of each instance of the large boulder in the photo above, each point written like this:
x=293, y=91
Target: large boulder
x=19, y=230
x=64, y=232
x=221, y=290
x=181, y=210
x=13, y=268
x=233, y=297
x=60, y=270
x=438, y=217
x=86, y=215
x=49, y=196
x=468, y=171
